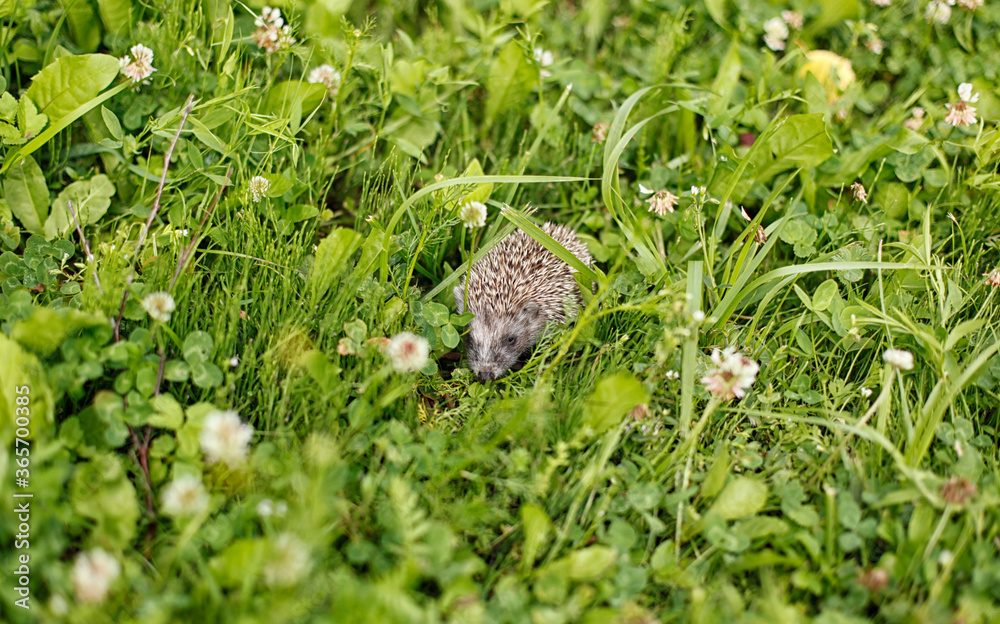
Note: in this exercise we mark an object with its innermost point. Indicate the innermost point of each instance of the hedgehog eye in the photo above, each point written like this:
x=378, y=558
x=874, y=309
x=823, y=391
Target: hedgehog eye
x=511, y=339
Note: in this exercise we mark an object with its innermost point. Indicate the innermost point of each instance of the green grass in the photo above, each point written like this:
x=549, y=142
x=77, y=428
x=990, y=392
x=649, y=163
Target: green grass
x=601, y=482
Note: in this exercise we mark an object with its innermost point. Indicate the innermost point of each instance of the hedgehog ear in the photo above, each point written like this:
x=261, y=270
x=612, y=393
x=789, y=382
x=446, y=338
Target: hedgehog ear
x=460, y=299
x=530, y=311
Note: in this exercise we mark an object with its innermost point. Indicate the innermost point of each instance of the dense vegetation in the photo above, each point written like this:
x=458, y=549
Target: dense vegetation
x=778, y=403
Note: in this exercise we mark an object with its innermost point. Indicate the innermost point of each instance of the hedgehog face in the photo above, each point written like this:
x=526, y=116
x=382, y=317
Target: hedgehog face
x=495, y=342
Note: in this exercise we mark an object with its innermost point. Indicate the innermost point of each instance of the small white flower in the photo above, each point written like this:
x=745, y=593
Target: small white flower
x=875, y=45
x=860, y=194
x=327, y=76
x=917, y=120
x=408, y=352
x=899, y=358
x=945, y=558
x=93, y=573
x=775, y=33
x=672, y=374
x=961, y=114
x=938, y=11
x=139, y=66
x=733, y=375
x=184, y=232
x=265, y=508
x=289, y=561
x=185, y=496
x=269, y=17
x=965, y=93
x=473, y=214
x=644, y=190
x=258, y=186
x=234, y=361
x=793, y=19
x=159, y=305
x=662, y=202
x=224, y=437
x=993, y=278
x=698, y=316
x=543, y=57
x=866, y=392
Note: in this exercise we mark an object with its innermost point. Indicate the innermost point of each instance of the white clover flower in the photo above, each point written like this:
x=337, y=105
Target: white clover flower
x=661, y=202
x=289, y=561
x=875, y=45
x=860, y=194
x=328, y=76
x=970, y=5
x=472, y=214
x=159, y=305
x=258, y=186
x=775, y=33
x=917, y=120
x=185, y=496
x=793, y=19
x=961, y=113
x=272, y=33
x=899, y=358
x=965, y=93
x=93, y=573
x=269, y=17
x=672, y=374
x=993, y=278
x=938, y=11
x=408, y=352
x=543, y=57
x=139, y=66
x=734, y=373
x=224, y=437
x=599, y=134
x=866, y=392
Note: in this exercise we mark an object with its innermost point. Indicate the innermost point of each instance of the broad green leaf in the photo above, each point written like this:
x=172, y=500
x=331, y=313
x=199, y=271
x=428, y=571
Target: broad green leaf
x=449, y=336
x=537, y=527
x=510, y=80
x=116, y=15
x=111, y=121
x=8, y=107
x=435, y=313
x=278, y=185
x=6, y=7
x=300, y=212
x=590, y=563
x=717, y=10
x=612, y=399
x=168, y=413
x=824, y=295
x=29, y=120
x=716, y=476
x=83, y=26
x=70, y=82
x=281, y=97
x=91, y=199
x=331, y=254
x=206, y=374
x=101, y=491
x=894, y=198
x=27, y=195
x=727, y=77
x=742, y=497
x=198, y=347
x=801, y=141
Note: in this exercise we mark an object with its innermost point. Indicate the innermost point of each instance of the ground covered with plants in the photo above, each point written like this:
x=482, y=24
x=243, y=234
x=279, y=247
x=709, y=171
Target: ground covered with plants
x=232, y=379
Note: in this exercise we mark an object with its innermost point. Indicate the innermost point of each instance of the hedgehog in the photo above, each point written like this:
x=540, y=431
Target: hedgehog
x=516, y=291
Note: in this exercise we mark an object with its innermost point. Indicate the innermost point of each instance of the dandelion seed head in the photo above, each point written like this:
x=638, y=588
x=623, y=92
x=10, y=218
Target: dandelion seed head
x=899, y=358
x=159, y=305
x=93, y=573
x=408, y=352
x=184, y=496
x=225, y=438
